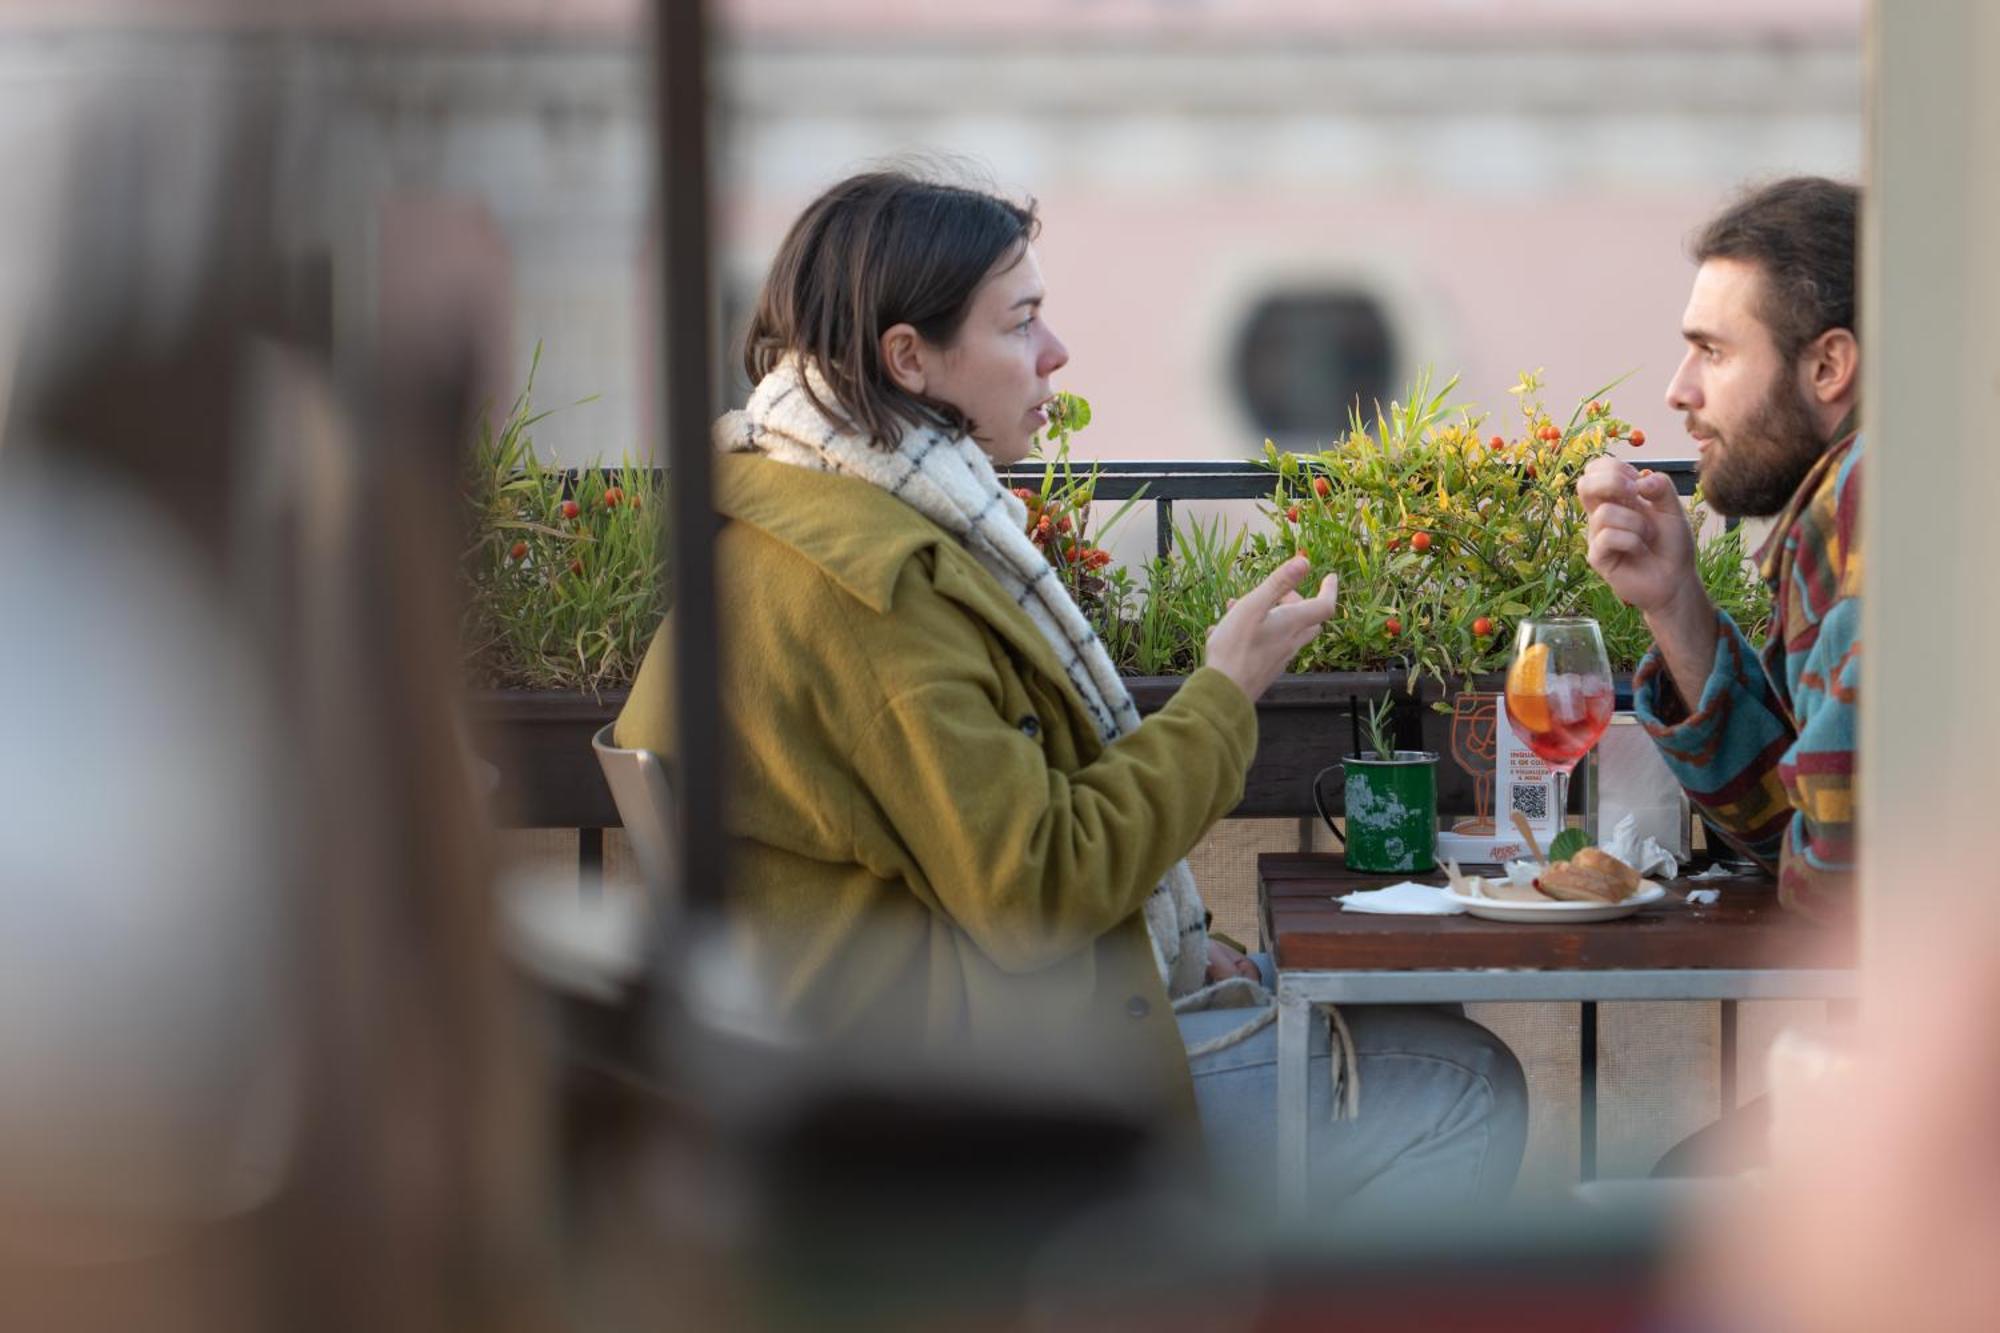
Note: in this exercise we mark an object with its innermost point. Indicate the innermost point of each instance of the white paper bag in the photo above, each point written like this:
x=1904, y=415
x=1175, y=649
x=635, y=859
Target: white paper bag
x=1633, y=780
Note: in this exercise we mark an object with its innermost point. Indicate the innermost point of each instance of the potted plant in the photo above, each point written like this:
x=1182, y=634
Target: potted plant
x=1444, y=529
x=562, y=571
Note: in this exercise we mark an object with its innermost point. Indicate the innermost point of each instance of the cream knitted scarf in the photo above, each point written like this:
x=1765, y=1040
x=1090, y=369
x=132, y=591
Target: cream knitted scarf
x=949, y=480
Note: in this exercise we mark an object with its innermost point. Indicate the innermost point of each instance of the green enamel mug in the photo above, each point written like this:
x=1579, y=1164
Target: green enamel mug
x=1391, y=811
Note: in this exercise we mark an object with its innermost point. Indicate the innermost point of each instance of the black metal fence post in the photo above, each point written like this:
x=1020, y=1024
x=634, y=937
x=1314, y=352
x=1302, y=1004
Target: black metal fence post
x=680, y=38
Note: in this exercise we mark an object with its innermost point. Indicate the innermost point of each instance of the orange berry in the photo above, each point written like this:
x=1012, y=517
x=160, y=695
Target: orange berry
x=1420, y=542
x=1482, y=627
x=1392, y=627
x=1637, y=439
x=1496, y=443
x=612, y=496
x=518, y=551
x=1293, y=513
x=570, y=509
x=1322, y=487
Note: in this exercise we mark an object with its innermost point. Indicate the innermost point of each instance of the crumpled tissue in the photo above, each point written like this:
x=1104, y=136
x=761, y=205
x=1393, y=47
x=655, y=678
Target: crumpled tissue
x=1406, y=899
x=1646, y=856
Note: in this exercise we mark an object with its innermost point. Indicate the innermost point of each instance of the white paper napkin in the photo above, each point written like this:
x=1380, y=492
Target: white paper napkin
x=1406, y=899
x=1647, y=857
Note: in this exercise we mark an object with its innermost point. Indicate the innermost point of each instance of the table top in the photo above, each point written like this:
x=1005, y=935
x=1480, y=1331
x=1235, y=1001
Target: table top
x=1745, y=929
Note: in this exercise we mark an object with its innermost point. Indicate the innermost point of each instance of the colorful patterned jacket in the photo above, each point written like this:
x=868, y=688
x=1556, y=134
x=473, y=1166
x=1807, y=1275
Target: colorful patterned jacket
x=1768, y=752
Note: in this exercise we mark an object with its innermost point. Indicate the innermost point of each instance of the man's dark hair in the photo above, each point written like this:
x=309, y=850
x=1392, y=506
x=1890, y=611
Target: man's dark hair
x=1801, y=233
x=877, y=250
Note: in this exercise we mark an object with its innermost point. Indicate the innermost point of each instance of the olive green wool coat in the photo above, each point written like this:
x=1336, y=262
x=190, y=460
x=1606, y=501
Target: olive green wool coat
x=931, y=845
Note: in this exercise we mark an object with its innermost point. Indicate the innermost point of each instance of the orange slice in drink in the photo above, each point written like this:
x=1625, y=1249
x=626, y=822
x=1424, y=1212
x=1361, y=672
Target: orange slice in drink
x=1528, y=688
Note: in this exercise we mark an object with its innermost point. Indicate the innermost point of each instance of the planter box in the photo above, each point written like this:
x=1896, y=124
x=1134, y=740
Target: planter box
x=1304, y=724
x=540, y=740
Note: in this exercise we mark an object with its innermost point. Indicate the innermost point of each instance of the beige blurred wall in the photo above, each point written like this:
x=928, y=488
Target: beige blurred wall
x=1930, y=309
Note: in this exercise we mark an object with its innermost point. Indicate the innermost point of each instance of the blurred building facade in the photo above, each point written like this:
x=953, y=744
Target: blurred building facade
x=1253, y=212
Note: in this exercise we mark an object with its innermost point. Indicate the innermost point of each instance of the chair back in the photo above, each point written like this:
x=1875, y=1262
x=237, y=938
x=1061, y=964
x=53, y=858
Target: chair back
x=639, y=788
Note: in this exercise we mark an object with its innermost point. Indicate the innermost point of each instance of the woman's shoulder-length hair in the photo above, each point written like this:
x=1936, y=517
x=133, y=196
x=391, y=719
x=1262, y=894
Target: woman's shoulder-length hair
x=880, y=249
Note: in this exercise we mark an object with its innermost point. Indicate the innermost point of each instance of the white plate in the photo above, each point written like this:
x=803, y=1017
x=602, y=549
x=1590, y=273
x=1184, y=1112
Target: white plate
x=1495, y=910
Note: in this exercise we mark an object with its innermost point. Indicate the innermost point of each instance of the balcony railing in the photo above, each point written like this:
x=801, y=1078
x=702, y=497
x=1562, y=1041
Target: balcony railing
x=1166, y=482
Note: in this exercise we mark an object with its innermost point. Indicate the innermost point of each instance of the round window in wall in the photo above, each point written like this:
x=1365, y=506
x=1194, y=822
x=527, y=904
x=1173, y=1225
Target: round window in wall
x=1304, y=358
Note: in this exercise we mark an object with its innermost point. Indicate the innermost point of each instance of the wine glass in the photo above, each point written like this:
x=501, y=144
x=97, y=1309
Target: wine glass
x=1559, y=694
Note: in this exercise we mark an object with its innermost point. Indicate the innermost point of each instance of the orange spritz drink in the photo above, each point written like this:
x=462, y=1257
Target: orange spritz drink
x=1559, y=694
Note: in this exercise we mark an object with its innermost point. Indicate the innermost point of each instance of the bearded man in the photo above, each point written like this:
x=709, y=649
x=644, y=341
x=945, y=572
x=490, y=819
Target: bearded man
x=1770, y=388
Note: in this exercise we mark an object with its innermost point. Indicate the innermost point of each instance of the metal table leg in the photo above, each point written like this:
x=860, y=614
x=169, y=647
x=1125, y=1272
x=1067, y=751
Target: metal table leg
x=1294, y=1052
x=590, y=862
x=1586, y=1157
x=1727, y=1056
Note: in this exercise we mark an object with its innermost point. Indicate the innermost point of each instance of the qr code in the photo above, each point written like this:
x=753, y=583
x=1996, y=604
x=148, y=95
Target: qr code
x=1532, y=802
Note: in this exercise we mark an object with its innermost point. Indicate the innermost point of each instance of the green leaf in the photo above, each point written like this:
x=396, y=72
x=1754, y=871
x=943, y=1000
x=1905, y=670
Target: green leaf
x=1568, y=843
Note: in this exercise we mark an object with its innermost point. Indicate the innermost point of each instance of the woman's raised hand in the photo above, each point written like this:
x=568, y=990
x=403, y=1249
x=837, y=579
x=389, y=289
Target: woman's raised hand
x=1264, y=629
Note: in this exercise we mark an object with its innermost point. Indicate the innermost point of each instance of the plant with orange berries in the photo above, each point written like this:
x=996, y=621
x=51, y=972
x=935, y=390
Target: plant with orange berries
x=1059, y=508
x=1445, y=533
x=562, y=568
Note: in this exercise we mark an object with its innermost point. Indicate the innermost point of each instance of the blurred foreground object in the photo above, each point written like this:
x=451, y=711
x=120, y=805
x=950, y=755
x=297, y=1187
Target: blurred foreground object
x=261, y=1065
x=1881, y=1208
x=146, y=1077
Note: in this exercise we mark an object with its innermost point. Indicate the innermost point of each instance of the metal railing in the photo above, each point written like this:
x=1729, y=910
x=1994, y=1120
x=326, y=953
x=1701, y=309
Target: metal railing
x=1165, y=482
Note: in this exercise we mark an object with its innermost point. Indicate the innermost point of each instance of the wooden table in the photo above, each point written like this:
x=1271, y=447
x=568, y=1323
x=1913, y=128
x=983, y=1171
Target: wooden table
x=1744, y=947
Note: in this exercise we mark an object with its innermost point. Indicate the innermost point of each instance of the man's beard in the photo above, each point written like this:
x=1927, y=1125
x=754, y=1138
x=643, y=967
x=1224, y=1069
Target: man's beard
x=1756, y=469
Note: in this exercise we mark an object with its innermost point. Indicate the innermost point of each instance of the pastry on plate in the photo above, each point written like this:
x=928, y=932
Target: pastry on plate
x=1591, y=876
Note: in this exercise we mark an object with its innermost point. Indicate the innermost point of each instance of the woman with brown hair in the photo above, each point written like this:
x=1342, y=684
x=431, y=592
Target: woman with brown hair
x=953, y=832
